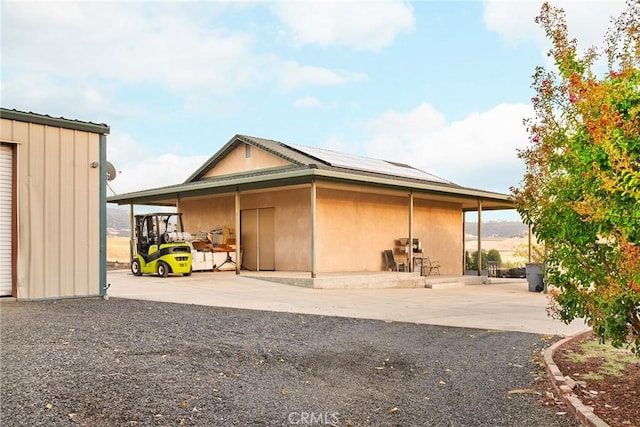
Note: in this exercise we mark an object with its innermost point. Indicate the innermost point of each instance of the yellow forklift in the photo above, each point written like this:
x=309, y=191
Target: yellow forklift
x=161, y=245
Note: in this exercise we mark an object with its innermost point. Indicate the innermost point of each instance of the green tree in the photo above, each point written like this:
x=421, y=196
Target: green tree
x=474, y=260
x=468, y=261
x=581, y=188
x=494, y=256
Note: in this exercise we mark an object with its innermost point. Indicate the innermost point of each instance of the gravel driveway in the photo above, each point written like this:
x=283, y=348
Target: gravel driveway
x=139, y=363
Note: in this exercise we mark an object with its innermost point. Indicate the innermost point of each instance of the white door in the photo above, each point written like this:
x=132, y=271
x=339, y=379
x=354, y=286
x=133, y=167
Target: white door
x=6, y=226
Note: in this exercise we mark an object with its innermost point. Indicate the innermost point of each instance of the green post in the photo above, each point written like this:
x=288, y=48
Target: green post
x=103, y=216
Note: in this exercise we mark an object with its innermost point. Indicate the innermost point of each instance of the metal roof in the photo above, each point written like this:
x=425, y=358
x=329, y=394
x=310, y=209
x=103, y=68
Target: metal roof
x=306, y=165
x=61, y=122
x=317, y=158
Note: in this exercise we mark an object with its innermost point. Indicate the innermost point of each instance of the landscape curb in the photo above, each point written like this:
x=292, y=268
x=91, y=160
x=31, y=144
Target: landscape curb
x=581, y=411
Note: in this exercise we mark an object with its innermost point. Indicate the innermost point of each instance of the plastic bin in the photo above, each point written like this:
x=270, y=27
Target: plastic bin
x=534, y=273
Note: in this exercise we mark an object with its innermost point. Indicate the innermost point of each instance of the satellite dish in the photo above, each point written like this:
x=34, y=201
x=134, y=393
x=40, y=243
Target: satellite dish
x=111, y=172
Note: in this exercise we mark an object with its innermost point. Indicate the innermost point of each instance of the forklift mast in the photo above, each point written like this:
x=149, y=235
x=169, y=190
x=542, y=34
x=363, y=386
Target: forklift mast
x=149, y=229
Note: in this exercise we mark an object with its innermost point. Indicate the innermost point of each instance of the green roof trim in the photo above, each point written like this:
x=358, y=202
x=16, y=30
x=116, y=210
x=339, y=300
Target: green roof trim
x=61, y=122
x=300, y=175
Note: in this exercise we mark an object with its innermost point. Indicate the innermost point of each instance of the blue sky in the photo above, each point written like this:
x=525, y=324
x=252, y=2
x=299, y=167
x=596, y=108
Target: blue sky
x=443, y=86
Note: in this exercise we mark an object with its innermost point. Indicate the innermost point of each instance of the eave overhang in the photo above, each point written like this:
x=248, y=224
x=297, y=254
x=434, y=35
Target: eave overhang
x=61, y=122
x=169, y=196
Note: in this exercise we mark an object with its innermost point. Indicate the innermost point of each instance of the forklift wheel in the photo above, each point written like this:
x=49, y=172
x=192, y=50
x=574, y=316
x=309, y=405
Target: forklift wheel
x=163, y=269
x=135, y=267
x=189, y=273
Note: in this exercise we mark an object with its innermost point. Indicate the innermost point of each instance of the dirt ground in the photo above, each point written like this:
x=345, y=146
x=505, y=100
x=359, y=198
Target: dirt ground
x=115, y=265
x=118, y=249
x=612, y=378
x=508, y=247
x=120, y=362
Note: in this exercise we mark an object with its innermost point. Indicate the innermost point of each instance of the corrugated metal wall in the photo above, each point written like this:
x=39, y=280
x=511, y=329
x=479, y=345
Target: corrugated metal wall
x=58, y=210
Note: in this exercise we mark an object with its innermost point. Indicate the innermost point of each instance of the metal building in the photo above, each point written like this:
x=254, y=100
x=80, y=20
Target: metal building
x=52, y=206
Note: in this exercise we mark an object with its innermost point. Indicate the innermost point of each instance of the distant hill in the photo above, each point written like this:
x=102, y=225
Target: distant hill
x=118, y=219
x=118, y=222
x=118, y=225
x=500, y=229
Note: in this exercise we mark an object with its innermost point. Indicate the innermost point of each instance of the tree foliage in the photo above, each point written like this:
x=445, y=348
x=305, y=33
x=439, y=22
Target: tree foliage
x=537, y=252
x=581, y=188
x=468, y=262
x=471, y=259
x=494, y=256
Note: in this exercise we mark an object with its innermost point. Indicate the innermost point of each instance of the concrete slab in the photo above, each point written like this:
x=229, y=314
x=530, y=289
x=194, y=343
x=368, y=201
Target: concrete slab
x=507, y=305
x=354, y=280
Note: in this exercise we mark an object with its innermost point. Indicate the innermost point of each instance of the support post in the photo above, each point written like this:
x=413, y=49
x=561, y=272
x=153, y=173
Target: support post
x=102, y=216
x=479, y=237
x=464, y=243
x=410, y=246
x=313, y=229
x=237, y=231
x=132, y=241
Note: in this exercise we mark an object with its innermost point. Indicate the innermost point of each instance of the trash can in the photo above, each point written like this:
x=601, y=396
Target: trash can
x=534, y=271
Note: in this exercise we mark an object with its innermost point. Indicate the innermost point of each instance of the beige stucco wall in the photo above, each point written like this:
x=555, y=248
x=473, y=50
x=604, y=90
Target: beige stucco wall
x=206, y=213
x=354, y=225
x=291, y=220
x=58, y=210
x=353, y=228
x=236, y=161
x=439, y=227
x=292, y=225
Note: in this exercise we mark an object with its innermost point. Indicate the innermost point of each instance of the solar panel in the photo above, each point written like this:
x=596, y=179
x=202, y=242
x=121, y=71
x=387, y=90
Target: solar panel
x=368, y=164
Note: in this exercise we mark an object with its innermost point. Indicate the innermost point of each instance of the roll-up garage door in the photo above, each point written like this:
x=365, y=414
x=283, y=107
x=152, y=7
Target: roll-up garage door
x=6, y=227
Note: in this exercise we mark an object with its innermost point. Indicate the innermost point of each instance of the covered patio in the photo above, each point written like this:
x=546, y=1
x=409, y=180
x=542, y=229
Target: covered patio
x=365, y=280
x=324, y=212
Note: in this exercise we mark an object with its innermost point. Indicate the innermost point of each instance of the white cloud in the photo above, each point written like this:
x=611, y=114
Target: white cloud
x=513, y=21
x=134, y=44
x=153, y=172
x=407, y=128
x=123, y=149
x=90, y=46
x=142, y=170
x=477, y=151
x=313, y=102
x=587, y=21
x=482, y=146
x=368, y=25
x=307, y=102
x=75, y=99
x=291, y=75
